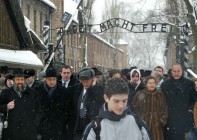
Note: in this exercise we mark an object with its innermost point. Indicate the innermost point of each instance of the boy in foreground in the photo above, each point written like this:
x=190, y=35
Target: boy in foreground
x=115, y=120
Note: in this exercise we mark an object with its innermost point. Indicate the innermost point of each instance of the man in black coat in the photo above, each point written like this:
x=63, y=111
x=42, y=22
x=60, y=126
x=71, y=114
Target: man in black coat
x=86, y=102
x=180, y=96
x=18, y=105
x=67, y=77
x=30, y=78
x=51, y=108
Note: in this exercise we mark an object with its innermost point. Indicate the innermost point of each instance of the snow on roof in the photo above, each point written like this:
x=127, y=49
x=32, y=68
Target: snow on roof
x=101, y=39
x=19, y=57
x=27, y=25
x=120, y=50
x=121, y=42
x=48, y=2
x=104, y=41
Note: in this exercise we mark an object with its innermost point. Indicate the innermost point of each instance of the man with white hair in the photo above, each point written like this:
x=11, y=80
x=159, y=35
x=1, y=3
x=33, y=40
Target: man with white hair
x=180, y=95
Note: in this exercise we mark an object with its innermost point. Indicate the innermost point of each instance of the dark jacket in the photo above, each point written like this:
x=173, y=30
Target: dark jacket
x=20, y=119
x=133, y=91
x=193, y=134
x=52, y=112
x=112, y=126
x=72, y=81
x=35, y=84
x=180, y=96
x=93, y=102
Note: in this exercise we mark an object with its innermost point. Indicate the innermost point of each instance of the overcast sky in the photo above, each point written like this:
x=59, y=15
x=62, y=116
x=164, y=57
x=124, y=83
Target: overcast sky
x=143, y=5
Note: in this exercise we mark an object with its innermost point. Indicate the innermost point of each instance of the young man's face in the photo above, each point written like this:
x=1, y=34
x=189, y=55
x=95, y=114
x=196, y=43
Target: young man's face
x=117, y=103
x=159, y=70
x=66, y=73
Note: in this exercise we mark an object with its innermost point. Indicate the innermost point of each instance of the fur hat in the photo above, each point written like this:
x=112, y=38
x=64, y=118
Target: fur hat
x=51, y=72
x=29, y=72
x=86, y=74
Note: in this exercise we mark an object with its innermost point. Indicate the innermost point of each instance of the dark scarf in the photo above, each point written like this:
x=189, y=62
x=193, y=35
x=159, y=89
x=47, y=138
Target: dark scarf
x=49, y=89
x=105, y=113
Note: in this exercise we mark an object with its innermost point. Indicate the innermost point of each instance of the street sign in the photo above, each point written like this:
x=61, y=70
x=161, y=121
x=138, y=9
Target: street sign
x=66, y=17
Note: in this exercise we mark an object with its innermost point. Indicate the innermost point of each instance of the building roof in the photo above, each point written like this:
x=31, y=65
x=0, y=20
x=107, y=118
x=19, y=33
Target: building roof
x=16, y=17
x=49, y=3
x=25, y=59
x=103, y=40
x=121, y=42
x=38, y=43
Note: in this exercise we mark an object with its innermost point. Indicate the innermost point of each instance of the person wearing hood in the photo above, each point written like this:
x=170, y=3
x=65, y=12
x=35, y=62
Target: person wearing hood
x=115, y=120
x=135, y=83
x=150, y=104
x=181, y=95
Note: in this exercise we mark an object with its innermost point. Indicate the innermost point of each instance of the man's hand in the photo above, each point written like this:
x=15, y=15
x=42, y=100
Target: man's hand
x=10, y=105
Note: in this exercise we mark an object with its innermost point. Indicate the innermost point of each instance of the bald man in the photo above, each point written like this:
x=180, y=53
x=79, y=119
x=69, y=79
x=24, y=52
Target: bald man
x=181, y=96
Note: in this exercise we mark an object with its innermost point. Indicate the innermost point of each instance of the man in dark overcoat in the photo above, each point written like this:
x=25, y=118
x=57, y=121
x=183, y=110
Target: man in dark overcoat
x=18, y=105
x=30, y=78
x=67, y=77
x=86, y=102
x=180, y=96
x=51, y=108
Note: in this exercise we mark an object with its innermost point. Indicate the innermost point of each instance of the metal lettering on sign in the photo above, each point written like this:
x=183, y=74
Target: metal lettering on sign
x=121, y=23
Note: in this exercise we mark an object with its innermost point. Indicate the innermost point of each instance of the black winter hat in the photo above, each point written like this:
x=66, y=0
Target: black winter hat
x=29, y=72
x=147, y=73
x=18, y=72
x=4, y=69
x=134, y=67
x=9, y=76
x=51, y=72
x=142, y=72
x=125, y=71
x=96, y=71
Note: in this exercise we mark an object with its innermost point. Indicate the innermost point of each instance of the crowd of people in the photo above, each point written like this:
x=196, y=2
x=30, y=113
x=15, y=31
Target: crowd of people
x=121, y=104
